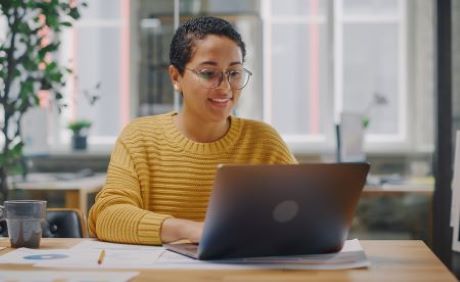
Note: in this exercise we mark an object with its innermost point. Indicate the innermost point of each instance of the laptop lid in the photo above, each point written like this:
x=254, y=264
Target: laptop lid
x=268, y=210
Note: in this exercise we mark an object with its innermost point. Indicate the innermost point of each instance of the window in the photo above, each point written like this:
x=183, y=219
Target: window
x=297, y=98
x=97, y=50
x=372, y=62
x=325, y=57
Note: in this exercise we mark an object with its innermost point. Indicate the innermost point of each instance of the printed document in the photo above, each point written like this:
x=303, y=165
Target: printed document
x=69, y=276
x=122, y=256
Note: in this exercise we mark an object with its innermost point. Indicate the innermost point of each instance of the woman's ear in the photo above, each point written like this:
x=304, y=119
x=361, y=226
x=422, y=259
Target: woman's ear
x=175, y=77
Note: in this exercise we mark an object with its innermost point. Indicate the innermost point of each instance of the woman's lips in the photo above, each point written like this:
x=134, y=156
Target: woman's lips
x=220, y=102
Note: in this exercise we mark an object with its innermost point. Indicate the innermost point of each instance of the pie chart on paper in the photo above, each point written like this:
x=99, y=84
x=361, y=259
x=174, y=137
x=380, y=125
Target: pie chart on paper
x=46, y=256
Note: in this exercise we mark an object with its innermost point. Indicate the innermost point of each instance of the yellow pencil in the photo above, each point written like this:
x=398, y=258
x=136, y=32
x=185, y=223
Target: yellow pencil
x=101, y=257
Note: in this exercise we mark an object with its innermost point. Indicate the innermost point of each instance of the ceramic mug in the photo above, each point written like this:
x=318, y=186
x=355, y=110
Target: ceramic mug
x=24, y=220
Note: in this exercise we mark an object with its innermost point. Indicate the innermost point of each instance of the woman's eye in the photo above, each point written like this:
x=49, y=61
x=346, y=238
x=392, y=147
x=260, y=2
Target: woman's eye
x=208, y=74
x=234, y=74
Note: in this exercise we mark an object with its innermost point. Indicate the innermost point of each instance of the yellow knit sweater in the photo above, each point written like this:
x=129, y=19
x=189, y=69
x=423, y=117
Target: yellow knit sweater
x=155, y=172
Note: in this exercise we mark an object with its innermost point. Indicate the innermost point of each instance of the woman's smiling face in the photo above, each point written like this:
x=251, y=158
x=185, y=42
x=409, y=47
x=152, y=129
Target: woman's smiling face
x=211, y=55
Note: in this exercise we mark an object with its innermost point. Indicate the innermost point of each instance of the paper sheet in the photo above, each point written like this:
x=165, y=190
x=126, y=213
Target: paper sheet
x=100, y=245
x=68, y=276
x=32, y=256
x=455, y=186
x=118, y=256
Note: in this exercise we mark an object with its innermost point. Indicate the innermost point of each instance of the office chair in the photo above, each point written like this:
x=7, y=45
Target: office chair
x=60, y=223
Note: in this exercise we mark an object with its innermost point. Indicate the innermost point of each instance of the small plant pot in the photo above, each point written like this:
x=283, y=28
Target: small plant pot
x=79, y=142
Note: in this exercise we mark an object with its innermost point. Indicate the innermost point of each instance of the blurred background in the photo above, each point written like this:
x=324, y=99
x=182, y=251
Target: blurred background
x=313, y=61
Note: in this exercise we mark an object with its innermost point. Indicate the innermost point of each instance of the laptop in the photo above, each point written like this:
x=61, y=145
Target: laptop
x=277, y=210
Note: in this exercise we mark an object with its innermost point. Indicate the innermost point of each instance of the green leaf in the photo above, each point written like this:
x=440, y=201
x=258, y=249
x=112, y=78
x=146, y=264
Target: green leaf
x=78, y=125
x=34, y=100
x=365, y=121
x=26, y=89
x=3, y=159
x=51, y=67
x=52, y=21
x=30, y=64
x=49, y=48
x=16, y=73
x=16, y=151
x=23, y=27
x=55, y=76
x=74, y=13
x=16, y=168
x=58, y=96
x=64, y=6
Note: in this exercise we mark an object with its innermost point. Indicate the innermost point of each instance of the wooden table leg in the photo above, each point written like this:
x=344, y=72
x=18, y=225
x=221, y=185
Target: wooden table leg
x=83, y=196
x=72, y=199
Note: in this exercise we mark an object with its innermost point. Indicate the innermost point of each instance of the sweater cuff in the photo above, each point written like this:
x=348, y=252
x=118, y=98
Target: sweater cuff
x=149, y=228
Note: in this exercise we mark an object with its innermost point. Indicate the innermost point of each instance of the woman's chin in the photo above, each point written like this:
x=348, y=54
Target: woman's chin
x=220, y=113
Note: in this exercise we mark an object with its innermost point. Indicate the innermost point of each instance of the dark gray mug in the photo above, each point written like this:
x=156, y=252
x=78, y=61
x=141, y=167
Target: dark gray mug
x=24, y=220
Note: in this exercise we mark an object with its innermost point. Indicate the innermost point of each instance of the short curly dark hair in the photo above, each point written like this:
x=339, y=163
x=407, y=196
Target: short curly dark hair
x=183, y=41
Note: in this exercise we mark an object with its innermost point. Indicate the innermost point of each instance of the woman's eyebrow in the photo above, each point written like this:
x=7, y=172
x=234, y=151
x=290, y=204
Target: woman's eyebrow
x=212, y=63
x=208, y=63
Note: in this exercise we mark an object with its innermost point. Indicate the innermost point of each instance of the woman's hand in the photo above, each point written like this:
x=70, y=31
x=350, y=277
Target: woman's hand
x=174, y=229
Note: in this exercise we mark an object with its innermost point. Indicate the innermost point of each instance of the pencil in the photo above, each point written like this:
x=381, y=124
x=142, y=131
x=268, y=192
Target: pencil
x=101, y=257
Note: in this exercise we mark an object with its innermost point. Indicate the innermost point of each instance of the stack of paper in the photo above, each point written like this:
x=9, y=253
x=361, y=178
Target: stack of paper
x=70, y=276
x=121, y=256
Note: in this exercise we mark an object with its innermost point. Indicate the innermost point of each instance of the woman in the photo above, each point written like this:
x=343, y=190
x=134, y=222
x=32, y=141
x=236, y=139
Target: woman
x=162, y=168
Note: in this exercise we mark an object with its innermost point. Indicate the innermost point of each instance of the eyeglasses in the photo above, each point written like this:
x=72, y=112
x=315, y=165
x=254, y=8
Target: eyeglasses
x=212, y=78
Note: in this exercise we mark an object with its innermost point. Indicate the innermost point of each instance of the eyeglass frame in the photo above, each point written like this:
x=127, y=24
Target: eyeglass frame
x=222, y=74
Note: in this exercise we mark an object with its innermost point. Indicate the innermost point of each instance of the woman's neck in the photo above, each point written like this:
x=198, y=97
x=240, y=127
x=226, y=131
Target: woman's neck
x=201, y=131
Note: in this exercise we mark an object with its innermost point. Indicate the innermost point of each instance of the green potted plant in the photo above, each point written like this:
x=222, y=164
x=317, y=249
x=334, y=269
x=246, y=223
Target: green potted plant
x=80, y=127
x=79, y=130
x=29, y=63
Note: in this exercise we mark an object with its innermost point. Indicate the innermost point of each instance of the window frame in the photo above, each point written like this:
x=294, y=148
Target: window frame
x=308, y=143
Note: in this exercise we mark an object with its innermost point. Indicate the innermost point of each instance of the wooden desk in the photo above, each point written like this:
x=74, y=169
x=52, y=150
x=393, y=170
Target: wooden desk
x=76, y=190
x=423, y=186
x=390, y=261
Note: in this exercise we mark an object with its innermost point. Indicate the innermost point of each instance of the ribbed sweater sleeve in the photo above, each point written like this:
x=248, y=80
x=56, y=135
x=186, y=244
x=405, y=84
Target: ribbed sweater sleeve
x=119, y=213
